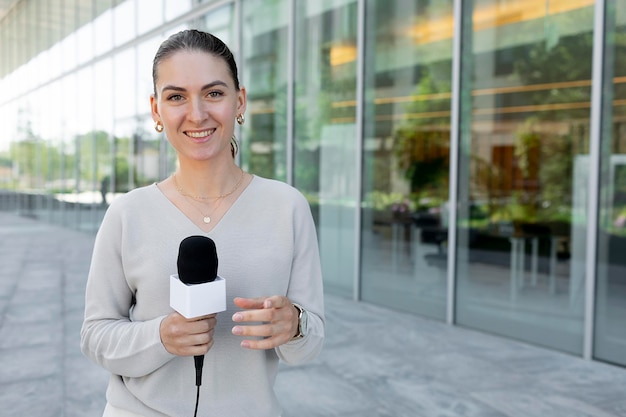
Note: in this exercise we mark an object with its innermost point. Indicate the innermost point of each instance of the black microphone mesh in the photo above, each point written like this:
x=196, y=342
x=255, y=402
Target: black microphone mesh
x=197, y=260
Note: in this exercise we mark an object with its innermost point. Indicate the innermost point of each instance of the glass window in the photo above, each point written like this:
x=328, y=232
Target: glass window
x=124, y=85
x=151, y=165
x=103, y=125
x=70, y=145
x=82, y=150
x=85, y=40
x=264, y=75
x=610, y=334
x=103, y=93
x=123, y=175
x=52, y=134
x=325, y=130
x=69, y=52
x=28, y=147
x=37, y=132
x=174, y=8
x=146, y=148
x=220, y=23
x=149, y=15
x=526, y=100
x=5, y=51
x=124, y=22
x=103, y=27
x=53, y=129
x=124, y=134
x=145, y=55
x=406, y=152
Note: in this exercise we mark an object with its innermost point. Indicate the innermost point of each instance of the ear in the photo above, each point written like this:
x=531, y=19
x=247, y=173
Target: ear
x=241, y=101
x=154, y=106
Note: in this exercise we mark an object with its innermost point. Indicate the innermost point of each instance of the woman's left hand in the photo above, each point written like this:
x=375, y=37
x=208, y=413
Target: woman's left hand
x=277, y=320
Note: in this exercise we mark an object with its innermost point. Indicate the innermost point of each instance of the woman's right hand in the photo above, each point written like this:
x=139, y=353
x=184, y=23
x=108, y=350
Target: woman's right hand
x=187, y=337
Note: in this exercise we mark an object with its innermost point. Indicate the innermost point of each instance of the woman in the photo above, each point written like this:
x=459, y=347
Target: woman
x=266, y=245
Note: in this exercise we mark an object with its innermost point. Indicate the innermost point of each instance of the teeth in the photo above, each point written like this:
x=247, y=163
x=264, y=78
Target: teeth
x=200, y=134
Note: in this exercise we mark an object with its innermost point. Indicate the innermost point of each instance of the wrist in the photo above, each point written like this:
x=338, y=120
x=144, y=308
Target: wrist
x=301, y=326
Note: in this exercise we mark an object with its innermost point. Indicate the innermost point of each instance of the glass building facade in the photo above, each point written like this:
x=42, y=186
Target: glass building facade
x=464, y=160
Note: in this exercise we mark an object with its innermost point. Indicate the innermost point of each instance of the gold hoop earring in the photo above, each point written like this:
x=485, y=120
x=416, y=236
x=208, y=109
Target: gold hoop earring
x=234, y=146
x=158, y=126
x=240, y=119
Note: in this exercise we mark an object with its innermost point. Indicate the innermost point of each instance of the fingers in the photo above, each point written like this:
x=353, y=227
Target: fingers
x=250, y=303
x=276, y=301
x=276, y=317
x=265, y=336
x=266, y=322
x=186, y=337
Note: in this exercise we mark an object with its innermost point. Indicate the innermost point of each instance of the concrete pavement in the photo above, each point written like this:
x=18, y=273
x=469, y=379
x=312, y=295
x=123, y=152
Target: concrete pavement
x=376, y=362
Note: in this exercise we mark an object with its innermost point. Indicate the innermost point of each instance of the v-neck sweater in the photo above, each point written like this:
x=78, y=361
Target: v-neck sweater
x=266, y=245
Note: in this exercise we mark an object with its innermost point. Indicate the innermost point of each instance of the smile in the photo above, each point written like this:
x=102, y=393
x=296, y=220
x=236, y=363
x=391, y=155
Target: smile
x=201, y=134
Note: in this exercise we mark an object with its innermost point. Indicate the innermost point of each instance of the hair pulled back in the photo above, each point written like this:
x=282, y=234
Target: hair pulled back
x=194, y=40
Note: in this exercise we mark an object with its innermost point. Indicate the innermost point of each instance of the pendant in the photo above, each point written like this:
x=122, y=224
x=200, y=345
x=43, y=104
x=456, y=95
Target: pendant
x=206, y=219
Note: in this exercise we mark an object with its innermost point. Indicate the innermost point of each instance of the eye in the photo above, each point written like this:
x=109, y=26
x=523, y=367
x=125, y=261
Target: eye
x=215, y=94
x=174, y=97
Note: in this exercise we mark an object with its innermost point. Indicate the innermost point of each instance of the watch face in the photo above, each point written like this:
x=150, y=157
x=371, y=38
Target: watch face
x=304, y=322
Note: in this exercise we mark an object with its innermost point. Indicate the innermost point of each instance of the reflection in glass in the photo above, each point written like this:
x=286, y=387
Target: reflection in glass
x=85, y=39
x=174, y=8
x=523, y=174
x=124, y=27
x=325, y=130
x=52, y=134
x=86, y=148
x=219, y=22
x=145, y=54
x=103, y=123
x=102, y=27
x=146, y=149
x=149, y=15
x=264, y=75
x=610, y=333
x=124, y=85
x=406, y=153
x=123, y=175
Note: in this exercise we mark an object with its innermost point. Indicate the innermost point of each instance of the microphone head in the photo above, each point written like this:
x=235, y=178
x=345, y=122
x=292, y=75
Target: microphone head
x=197, y=260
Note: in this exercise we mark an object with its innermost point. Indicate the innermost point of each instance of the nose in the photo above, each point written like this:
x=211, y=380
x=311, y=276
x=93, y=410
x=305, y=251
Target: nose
x=197, y=110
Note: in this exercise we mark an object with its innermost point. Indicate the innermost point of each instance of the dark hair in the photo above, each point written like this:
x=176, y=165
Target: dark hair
x=194, y=40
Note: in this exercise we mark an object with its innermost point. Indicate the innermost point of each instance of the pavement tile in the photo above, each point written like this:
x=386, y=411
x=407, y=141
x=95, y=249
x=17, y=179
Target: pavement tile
x=375, y=362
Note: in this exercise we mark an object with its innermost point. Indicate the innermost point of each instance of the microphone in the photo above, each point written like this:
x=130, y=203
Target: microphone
x=197, y=290
x=197, y=260
x=197, y=264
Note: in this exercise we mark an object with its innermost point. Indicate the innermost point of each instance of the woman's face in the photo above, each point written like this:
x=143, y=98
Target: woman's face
x=197, y=103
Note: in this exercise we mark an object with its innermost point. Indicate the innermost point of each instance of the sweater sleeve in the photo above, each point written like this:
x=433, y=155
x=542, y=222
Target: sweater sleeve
x=109, y=336
x=305, y=287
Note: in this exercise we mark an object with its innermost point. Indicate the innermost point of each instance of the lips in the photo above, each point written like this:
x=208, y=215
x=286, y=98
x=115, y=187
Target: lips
x=200, y=134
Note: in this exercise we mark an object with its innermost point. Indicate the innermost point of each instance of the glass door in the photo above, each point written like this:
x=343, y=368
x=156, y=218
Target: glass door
x=610, y=333
x=406, y=154
x=325, y=154
x=524, y=169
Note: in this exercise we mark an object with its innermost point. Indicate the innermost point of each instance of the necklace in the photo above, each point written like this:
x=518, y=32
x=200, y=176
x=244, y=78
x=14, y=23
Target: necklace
x=206, y=218
x=201, y=197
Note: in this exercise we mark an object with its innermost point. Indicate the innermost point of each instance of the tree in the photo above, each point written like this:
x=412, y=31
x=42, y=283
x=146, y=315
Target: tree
x=422, y=142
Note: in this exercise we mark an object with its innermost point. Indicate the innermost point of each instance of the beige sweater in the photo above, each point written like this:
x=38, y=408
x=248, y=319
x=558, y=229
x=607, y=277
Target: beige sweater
x=266, y=245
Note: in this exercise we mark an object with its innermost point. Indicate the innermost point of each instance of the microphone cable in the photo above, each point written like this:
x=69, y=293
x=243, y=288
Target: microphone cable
x=198, y=362
x=195, y=413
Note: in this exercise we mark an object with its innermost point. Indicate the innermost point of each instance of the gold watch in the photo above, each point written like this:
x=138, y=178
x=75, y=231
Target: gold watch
x=302, y=322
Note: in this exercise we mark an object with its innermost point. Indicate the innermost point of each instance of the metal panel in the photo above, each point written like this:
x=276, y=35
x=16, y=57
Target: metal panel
x=594, y=176
x=360, y=109
x=455, y=136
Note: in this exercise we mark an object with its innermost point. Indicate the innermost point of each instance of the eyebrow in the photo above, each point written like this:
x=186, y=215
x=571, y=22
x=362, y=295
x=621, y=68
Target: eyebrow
x=205, y=87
